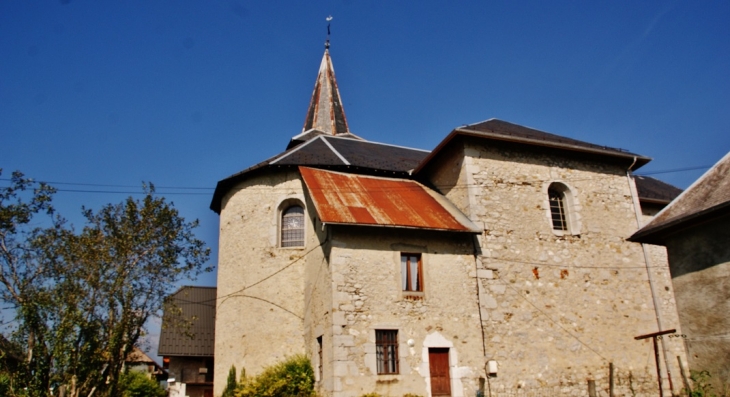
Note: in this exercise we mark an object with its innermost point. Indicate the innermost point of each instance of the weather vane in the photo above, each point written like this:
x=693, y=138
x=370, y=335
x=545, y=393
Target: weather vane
x=327, y=43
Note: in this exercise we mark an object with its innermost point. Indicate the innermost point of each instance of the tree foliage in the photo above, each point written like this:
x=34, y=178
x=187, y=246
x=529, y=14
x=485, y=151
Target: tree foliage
x=81, y=299
x=231, y=383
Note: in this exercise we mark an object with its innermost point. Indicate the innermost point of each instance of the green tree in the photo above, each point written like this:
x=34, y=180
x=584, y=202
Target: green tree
x=231, y=383
x=81, y=299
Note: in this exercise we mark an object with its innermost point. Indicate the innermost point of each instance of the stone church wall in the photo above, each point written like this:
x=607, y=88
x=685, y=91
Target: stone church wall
x=558, y=307
x=260, y=302
x=368, y=296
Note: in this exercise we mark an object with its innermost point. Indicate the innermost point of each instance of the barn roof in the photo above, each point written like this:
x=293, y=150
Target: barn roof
x=707, y=199
x=188, y=327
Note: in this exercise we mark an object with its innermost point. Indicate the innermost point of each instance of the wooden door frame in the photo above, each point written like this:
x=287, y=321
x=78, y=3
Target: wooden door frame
x=448, y=352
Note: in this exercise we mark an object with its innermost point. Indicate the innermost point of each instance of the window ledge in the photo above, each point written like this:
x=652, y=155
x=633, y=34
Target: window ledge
x=414, y=295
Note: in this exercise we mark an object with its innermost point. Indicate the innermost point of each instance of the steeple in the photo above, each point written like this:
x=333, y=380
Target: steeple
x=325, y=109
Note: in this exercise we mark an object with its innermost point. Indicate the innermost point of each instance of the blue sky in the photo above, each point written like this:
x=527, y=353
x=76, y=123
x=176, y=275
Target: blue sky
x=101, y=96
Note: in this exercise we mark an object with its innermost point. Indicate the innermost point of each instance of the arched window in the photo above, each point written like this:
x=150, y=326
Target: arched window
x=292, y=226
x=558, y=208
x=563, y=209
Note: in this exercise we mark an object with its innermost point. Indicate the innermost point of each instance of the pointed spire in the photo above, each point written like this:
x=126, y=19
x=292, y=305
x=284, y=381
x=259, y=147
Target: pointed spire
x=325, y=109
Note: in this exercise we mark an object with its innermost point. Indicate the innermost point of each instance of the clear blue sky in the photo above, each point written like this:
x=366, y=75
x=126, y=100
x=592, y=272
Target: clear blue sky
x=185, y=93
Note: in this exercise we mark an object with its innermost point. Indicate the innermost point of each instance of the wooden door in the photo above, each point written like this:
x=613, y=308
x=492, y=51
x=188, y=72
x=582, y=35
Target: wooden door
x=438, y=363
x=208, y=393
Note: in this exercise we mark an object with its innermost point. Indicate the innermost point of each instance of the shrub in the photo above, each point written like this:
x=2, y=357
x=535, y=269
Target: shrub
x=137, y=384
x=231, y=383
x=294, y=377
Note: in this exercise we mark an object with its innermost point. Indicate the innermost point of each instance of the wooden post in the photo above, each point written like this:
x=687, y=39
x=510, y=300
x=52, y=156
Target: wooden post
x=610, y=379
x=658, y=367
x=591, y=388
x=653, y=336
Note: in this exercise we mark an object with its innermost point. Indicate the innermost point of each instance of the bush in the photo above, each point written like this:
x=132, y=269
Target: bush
x=293, y=377
x=137, y=384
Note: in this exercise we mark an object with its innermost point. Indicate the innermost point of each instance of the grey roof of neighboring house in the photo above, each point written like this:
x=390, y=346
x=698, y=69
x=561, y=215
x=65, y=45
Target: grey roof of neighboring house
x=707, y=199
x=333, y=152
x=652, y=190
x=188, y=327
x=503, y=131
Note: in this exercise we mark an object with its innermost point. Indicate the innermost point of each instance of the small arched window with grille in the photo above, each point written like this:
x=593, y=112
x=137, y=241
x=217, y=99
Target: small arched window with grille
x=558, y=207
x=292, y=226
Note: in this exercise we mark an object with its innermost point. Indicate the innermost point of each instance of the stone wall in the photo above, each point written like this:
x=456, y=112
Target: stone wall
x=557, y=307
x=366, y=284
x=260, y=306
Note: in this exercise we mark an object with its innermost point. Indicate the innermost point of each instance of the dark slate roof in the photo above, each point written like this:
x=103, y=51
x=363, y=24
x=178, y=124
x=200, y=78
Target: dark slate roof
x=196, y=307
x=707, y=199
x=499, y=130
x=334, y=152
x=652, y=190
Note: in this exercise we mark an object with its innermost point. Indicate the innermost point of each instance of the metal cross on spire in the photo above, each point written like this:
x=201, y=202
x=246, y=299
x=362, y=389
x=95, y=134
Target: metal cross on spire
x=327, y=43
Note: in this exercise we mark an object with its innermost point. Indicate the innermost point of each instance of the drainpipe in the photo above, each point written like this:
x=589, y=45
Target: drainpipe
x=647, y=262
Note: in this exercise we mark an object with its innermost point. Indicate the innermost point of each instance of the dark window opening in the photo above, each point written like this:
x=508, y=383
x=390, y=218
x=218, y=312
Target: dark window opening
x=411, y=272
x=557, y=209
x=386, y=351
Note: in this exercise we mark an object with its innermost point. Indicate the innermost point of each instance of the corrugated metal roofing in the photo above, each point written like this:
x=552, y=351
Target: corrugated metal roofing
x=196, y=305
x=708, y=197
x=341, y=198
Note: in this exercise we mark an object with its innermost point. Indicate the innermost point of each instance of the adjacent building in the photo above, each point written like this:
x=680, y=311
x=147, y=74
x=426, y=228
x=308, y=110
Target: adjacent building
x=695, y=229
x=187, y=341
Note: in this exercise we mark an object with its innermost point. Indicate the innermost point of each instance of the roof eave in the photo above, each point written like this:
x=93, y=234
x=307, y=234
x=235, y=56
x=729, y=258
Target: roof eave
x=637, y=160
x=470, y=231
x=658, y=234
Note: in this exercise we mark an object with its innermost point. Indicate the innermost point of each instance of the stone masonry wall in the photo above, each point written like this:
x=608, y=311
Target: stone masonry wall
x=366, y=284
x=260, y=306
x=558, y=307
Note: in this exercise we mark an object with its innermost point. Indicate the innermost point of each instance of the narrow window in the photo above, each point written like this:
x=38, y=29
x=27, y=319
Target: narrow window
x=557, y=209
x=386, y=351
x=319, y=355
x=411, y=272
x=292, y=227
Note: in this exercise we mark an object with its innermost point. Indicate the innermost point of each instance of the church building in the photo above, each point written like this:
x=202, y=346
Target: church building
x=496, y=263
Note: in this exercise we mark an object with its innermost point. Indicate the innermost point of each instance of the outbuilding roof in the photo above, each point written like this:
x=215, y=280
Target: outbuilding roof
x=652, y=190
x=349, y=199
x=188, y=325
x=707, y=198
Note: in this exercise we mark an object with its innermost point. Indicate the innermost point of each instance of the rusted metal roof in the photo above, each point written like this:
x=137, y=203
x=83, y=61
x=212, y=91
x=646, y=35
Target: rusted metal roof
x=708, y=198
x=341, y=198
x=189, y=328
